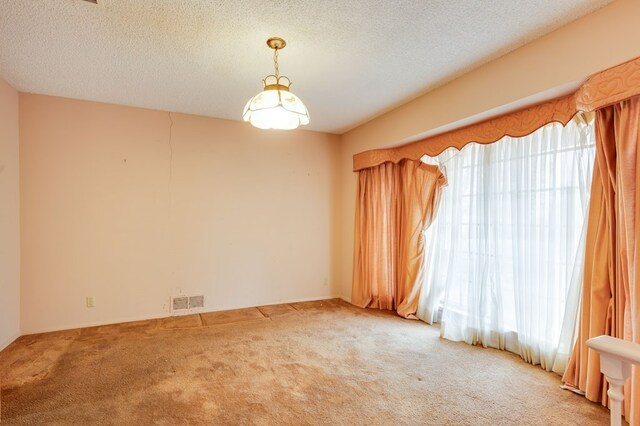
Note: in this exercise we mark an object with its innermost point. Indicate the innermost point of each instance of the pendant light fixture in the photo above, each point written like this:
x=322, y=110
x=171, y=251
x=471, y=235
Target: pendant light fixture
x=276, y=107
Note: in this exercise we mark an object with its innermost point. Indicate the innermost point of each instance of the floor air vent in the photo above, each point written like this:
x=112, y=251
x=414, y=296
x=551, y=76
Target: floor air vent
x=196, y=302
x=181, y=303
x=178, y=303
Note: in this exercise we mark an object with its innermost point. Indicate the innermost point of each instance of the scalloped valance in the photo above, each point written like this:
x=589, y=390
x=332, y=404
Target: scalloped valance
x=599, y=90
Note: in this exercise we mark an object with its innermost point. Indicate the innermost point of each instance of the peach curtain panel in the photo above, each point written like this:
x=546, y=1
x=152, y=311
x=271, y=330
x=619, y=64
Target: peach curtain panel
x=611, y=292
x=395, y=204
x=374, y=263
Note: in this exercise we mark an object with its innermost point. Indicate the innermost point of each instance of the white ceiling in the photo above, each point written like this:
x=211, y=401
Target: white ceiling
x=349, y=60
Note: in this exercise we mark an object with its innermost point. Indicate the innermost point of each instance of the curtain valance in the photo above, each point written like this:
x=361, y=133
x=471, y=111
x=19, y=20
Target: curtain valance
x=602, y=89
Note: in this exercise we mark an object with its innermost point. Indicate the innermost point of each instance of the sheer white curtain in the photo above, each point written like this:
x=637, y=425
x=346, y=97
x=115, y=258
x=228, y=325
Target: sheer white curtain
x=505, y=253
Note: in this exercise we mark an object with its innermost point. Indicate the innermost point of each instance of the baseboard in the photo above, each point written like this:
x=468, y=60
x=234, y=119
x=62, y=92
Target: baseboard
x=308, y=299
x=9, y=341
x=345, y=298
x=153, y=317
x=91, y=324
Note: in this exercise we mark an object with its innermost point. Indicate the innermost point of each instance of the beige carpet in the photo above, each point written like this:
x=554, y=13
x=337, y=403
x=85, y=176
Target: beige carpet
x=307, y=363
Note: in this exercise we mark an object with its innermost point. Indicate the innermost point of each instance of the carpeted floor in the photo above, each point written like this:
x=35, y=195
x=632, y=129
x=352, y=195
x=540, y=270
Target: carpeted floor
x=306, y=363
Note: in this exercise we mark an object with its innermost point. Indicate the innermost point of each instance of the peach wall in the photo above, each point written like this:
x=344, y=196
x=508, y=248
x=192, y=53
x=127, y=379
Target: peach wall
x=112, y=208
x=9, y=216
x=593, y=43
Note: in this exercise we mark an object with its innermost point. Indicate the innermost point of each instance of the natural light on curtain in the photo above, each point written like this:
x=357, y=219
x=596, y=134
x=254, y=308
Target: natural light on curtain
x=505, y=252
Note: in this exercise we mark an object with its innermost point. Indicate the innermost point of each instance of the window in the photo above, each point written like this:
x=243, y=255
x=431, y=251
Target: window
x=504, y=253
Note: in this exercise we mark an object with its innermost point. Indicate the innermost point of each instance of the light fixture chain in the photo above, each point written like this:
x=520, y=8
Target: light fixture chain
x=275, y=62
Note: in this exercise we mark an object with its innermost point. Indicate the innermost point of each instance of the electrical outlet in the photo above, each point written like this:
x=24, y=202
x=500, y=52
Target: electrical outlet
x=91, y=302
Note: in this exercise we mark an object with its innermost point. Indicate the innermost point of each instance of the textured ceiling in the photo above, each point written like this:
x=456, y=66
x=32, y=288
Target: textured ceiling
x=349, y=60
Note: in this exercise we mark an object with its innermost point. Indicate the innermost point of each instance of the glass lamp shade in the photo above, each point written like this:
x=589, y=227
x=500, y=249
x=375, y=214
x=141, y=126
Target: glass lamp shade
x=276, y=109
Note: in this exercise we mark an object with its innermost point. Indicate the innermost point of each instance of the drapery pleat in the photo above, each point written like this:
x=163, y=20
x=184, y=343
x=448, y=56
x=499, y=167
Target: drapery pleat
x=421, y=184
x=377, y=212
x=395, y=204
x=611, y=294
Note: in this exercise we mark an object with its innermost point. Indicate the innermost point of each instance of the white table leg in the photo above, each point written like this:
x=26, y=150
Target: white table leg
x=616, y=358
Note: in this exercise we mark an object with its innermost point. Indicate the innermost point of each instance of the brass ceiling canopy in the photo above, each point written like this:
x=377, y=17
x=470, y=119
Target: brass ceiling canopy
x=276, y=43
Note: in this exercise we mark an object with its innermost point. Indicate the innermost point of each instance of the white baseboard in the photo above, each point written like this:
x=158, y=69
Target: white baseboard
x=164, y=315
x=307, y=299
x=8, y=341
x=90, y=324
x=345, y=298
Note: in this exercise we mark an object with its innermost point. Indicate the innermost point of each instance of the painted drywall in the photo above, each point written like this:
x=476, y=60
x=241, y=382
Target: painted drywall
x=133, y=206
x=9, y=216
x=593, y=43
